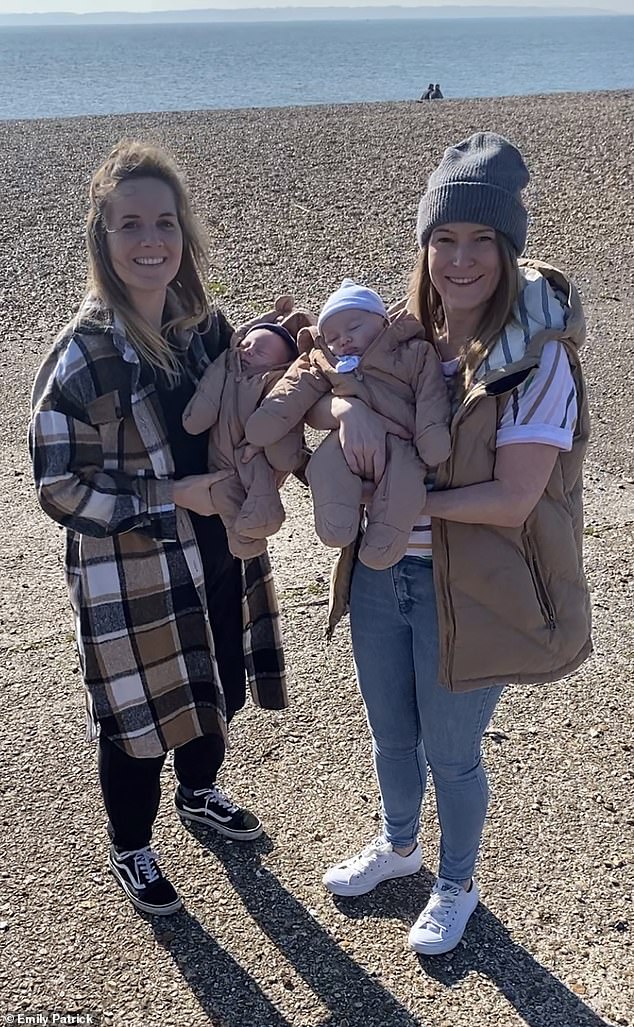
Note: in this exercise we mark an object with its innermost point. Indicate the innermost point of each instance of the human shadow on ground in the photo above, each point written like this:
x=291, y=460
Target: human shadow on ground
x=352, y=997
x=227, y=993
x=535, y=993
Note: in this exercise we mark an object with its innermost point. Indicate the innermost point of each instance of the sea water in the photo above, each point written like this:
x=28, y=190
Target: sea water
x=108, y=69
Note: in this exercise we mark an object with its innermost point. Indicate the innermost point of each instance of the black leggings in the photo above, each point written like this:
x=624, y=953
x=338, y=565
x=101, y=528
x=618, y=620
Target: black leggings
x=131, y=787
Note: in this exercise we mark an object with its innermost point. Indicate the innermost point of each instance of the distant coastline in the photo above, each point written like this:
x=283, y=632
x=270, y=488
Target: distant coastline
x=279, y=14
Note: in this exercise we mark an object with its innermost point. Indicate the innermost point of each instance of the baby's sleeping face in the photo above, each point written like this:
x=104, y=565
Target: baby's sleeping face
x=350, y=332
x=263, y=349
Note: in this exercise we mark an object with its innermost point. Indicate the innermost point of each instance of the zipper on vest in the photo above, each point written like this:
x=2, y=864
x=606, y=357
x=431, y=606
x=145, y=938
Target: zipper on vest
x=446, y=474
x=442, y=480
x=539, y=584
x=444, y=672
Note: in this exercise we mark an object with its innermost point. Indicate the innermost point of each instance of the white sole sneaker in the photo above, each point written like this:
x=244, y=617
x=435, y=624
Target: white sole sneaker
x=147, y=888
x=222, y=816
x=376, y=863
x=443, y=921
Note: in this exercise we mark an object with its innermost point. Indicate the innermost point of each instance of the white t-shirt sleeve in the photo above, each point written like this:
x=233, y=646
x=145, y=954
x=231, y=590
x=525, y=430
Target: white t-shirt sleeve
x=544, y=407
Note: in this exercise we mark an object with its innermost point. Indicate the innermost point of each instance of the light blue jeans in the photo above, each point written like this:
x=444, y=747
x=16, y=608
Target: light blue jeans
x=414, y=721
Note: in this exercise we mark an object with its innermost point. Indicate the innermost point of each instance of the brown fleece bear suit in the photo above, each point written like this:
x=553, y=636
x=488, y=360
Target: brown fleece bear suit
x=398, y=376
x=248, y=499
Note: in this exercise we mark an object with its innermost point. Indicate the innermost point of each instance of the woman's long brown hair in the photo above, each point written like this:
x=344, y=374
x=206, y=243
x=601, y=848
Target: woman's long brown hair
x=106, y=292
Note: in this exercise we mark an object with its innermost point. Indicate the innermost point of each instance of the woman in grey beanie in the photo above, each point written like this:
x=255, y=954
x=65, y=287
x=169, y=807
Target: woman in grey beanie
x=491, y=590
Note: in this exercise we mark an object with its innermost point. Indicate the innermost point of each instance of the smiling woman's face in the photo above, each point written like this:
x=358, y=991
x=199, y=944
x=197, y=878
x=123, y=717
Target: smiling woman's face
x=144, y=239
x=464, y=266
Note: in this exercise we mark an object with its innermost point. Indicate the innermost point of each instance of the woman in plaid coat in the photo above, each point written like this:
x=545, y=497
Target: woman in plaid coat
x=169, y=625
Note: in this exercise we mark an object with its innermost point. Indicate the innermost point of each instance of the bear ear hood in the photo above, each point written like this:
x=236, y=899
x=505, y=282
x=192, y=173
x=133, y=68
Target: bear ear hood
x=306, y=338
x=296, y=320
x=284, y=313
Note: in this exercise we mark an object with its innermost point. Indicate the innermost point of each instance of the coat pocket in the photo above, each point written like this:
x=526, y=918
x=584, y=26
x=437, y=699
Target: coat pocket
x=539, y=583
x=105, y=409
x=107, y=416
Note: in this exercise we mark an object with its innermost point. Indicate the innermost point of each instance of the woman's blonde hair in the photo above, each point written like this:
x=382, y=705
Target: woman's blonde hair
x=423, y=300
x=107, y=293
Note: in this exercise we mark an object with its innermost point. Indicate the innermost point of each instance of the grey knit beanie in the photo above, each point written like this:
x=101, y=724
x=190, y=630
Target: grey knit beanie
x=478, y=180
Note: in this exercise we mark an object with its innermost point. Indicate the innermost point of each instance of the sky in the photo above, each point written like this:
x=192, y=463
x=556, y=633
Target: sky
x=93, y=6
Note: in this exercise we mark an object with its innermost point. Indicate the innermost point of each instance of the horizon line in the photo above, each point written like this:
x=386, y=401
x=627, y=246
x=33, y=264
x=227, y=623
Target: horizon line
x=439, y=8
x=490, y=5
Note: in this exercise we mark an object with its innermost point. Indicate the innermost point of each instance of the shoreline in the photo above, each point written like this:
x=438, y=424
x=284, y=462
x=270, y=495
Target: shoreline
x=319, y=107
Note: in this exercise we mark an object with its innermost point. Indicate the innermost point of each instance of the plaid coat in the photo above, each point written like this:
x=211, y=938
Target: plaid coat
x=103, y=468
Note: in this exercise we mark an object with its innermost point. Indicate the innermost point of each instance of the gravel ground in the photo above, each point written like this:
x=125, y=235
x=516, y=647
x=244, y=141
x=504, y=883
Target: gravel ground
x=294, y=199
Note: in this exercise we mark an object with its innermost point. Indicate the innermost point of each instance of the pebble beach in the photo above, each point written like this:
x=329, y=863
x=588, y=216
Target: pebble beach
x=295, y=199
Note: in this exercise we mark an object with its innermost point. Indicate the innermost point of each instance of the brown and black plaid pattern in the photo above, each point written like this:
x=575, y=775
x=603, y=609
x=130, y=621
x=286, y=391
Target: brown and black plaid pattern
x=103, y=469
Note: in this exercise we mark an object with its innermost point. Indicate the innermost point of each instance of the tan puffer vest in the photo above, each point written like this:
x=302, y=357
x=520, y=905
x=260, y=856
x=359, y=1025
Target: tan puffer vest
x=513, y=603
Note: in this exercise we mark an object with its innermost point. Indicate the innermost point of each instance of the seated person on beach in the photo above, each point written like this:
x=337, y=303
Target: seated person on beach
x=248, y=498
x=436, y=93
x=427, y=94
x=355, y=350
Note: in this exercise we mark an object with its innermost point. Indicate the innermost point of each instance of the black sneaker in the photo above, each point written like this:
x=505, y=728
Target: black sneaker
x=141, y=879
x=210, y=806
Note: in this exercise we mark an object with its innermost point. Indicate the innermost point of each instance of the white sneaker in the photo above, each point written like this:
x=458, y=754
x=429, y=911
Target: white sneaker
x=377, y=862
x=442, y=923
